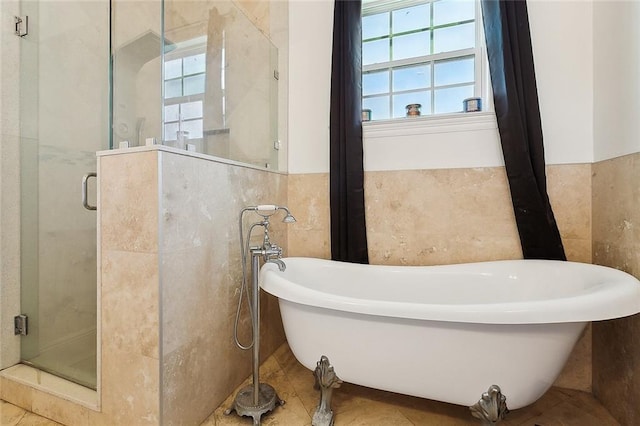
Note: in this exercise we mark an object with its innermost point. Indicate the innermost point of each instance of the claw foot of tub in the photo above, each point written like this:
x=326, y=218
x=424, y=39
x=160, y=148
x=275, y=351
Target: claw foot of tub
x=492, y=406
x=326, y=382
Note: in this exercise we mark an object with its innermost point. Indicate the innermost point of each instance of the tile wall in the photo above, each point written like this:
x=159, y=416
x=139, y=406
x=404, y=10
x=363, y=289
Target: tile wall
x=616, y=243
x=171, y=265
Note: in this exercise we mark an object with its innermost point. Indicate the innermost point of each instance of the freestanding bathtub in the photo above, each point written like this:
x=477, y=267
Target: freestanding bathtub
x=447, y=332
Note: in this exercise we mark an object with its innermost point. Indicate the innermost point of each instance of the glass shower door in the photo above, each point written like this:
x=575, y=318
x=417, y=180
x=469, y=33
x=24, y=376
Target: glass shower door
x=64, y=114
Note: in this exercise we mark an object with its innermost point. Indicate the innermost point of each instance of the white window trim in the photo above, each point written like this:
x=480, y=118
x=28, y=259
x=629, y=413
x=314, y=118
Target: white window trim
x=442, y=123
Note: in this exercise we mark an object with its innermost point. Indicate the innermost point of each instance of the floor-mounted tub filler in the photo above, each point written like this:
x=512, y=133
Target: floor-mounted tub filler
x=461, y=334
x=257, y=398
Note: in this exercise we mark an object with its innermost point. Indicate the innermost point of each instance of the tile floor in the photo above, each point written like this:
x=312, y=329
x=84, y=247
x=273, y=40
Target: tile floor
x=359, y=406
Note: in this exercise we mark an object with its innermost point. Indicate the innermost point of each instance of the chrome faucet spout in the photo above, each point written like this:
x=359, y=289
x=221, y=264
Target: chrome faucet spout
x=280, y=263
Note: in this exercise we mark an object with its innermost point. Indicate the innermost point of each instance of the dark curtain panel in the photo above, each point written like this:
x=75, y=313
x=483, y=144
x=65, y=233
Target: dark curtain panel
x=506, y=26
x=348, y=229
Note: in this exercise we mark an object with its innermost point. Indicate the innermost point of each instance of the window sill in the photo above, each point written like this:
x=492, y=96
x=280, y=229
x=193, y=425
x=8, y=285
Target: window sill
x=445, y=123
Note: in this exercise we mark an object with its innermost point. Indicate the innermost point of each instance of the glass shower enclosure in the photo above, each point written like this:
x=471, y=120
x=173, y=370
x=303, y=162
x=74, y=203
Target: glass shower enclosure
x=103, y=74
x=64, y=118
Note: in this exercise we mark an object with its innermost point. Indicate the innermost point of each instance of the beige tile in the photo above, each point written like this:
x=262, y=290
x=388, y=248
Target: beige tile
x=10, y=415
x=130, y=303
x=63, y=411
x=17, y=393
x=130, y=388
x=31, y=419
x=129, y=202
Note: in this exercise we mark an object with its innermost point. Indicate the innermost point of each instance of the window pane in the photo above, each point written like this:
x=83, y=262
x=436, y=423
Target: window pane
x=448, y=11
x=191, y=110
x=375, y=51
x=410, y=18
x=450, y=100
x=194, y=85
x=172, y=69
x=401, y=101
x=409, y=78
x=170, y=131
x=172, y=88
x=411, y=45
x=379, y=107
x=374, y=83
x=375, y=25
x=454, y=72
x=195, y=64
x=454, y=38
x=194, y=127
x=172, y=112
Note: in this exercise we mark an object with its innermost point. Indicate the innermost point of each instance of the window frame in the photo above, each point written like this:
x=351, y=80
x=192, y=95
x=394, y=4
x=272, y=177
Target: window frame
x=482, y=88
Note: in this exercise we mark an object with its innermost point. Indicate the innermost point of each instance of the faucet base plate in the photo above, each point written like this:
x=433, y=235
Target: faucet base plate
x=244, y=406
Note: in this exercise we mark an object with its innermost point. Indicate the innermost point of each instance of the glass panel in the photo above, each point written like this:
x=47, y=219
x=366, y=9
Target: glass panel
x=454, y=71
x=410, y=18
x=173, y=69
x=137, y=71
x=410, y=78
x=173, y=88
x=194, y=127
x=64, y=104
x=191, y=110
x=172, y=112
x=374, y=26
x=411, y=45
x=378, y=105
x=450, y=100
x=454, y=38
x=375, y=83
x=450, y=11
x=171, y=131
x=401, y=101
x=374, y=52
x=230, y=76
x=194, y=85
x=194, y=64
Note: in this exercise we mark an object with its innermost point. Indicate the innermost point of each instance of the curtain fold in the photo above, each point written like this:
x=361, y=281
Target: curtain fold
x=346, y=171
x=511, y=66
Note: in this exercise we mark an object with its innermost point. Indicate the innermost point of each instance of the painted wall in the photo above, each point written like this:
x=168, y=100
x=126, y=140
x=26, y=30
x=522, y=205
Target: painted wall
x=616, y=45
x=564, y=67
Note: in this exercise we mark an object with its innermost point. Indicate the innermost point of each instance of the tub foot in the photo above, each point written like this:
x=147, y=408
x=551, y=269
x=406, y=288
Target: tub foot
x=326, y=382
x=492, y=407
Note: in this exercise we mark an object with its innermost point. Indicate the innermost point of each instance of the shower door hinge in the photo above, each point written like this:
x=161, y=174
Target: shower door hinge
x=21, y=325
x=22, y=25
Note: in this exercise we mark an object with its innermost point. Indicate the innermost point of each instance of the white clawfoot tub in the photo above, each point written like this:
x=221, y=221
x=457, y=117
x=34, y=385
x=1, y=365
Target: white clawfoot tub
x=447, y=332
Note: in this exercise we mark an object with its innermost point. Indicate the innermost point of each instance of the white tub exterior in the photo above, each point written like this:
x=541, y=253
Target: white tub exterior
x=446, y=332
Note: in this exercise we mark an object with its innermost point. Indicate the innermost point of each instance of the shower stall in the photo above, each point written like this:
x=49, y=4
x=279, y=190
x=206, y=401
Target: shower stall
x=111, y=74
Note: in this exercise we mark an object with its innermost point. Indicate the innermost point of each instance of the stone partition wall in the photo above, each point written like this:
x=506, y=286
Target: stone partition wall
x=616, y=243
x=431, y=217
x=169, y=261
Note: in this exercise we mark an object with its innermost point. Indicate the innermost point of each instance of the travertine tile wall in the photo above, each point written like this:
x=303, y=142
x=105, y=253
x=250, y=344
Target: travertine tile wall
x=616, y=243
x=201, y=271
x=429, y=217
x=170, y=281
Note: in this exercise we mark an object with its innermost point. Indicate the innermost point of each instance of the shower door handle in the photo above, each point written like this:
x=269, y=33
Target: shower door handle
x=85, y=202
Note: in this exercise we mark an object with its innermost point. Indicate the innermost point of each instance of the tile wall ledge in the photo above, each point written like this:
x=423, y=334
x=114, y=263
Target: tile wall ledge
x=177, y=151
x=52, y=385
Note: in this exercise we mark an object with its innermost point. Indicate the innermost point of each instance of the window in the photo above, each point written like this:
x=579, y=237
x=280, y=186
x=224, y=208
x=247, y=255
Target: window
x=425, y=52
x=184, y=84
